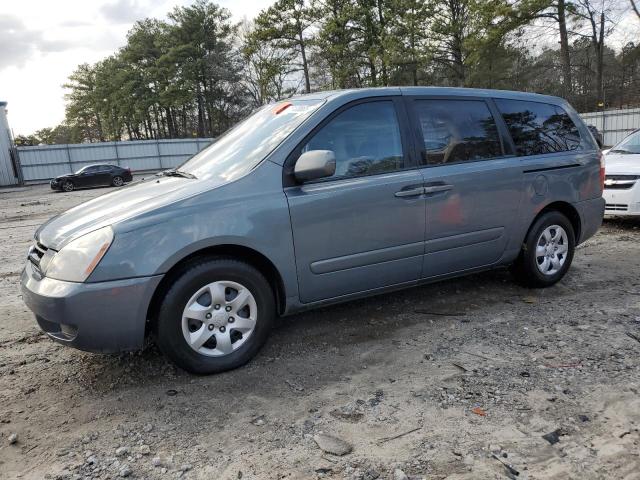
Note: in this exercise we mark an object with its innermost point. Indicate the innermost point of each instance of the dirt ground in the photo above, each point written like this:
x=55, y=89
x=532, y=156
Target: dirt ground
x=455, y=380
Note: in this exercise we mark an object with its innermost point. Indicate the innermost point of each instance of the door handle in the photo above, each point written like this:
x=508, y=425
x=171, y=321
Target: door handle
x=411, y=192
x=437, y=188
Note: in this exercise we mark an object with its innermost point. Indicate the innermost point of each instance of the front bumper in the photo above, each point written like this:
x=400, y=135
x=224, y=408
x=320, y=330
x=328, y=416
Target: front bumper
x=622, y=201
x=105, y=317
x=55, y=184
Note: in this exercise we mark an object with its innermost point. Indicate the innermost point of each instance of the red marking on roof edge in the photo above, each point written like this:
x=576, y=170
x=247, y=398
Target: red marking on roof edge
x=281, y=108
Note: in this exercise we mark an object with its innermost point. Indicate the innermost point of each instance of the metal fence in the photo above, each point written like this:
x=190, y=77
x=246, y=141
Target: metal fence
x=40, y=163
x=614, y=124
x=43, y=162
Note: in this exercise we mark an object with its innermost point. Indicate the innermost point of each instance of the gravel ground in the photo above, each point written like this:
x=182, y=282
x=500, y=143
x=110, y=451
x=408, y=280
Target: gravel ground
x=474, y=378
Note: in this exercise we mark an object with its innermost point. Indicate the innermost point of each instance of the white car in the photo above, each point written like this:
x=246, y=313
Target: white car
x=622, y=180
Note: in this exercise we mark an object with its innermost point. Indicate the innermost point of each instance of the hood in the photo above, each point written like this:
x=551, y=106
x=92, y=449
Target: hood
x=122, y=204
x=622, y=163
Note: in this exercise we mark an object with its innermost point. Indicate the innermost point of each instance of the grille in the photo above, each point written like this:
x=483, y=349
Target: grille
x=616, y=207
x=620, y=182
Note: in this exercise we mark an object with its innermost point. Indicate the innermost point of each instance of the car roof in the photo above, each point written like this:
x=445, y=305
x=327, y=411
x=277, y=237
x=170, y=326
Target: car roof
x=432, y=91
x=97, y=165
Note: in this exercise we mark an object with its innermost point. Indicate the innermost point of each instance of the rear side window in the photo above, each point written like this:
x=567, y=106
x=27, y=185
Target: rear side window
x=538, y=128
x=365, y=139
x=456, y=131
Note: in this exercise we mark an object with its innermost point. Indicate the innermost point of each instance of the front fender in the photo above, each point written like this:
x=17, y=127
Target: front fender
x=229, y=215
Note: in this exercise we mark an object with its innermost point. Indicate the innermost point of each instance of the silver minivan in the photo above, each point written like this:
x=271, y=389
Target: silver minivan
x=315, y=200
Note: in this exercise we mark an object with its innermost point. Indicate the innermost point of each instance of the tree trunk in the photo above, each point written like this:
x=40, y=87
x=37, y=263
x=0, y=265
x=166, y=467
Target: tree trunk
x=170, y=122
x=305, y=66
x=564, y=50
x=156, y=116
x=99, y=125
x=383, y=68
x=458, y=62
x=201, y=119
x=374, y=71
x=414, y=57
x=600, y=61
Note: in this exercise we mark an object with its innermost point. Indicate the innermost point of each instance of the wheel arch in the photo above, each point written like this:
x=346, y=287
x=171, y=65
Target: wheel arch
x=239, y=252
x=567, y=210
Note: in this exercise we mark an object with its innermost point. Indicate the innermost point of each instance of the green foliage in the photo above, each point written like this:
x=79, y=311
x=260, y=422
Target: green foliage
x=198, y=73
x=172, y=79
x=284, y=26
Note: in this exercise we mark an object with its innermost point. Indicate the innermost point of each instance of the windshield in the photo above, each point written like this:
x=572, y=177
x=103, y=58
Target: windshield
x=245, y=145
x=631, y=144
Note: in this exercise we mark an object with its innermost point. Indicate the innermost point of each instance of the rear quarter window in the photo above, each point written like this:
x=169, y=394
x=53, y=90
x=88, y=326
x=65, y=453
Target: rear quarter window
x=538, y=128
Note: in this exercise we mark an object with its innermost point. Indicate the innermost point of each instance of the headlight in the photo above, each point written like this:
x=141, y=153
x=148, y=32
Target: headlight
x=76, y=260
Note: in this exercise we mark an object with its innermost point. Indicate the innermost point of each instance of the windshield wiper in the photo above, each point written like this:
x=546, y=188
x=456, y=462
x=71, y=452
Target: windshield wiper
x=618, y=150
x=177, y=173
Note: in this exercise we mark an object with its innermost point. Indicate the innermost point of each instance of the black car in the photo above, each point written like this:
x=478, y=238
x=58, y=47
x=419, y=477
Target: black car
x=596, y=134
x=93, y=176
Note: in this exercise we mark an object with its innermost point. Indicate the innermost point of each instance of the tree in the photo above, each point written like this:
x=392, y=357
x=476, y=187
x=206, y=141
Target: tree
x=598, y=16
x=83, y=105
x=26, y=140
x=202, y=36
x=564, y=47
x=267, y=69
x=407, y=40
x=285, y=24
x=197, y=73
x=335, y=43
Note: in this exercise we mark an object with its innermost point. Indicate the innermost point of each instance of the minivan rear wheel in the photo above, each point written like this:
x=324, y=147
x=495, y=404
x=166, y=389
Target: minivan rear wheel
x=215, y=316
x=547, y=252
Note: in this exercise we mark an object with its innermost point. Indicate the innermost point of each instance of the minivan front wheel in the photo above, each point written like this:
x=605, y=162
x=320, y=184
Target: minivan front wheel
x=547, y=252
x=215, y=316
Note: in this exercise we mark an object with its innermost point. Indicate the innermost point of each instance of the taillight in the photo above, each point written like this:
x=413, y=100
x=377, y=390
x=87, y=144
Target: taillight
x=602, y=174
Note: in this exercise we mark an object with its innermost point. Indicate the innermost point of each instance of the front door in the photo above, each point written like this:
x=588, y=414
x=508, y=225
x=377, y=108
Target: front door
x=472, y=183
x=103, y=175
x=86, y=177
x=363, y=228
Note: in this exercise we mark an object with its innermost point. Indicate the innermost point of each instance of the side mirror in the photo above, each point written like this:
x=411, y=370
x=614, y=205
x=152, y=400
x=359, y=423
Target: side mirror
x=315, y=164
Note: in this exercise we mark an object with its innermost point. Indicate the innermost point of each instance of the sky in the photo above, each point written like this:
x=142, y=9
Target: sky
x=43, y=41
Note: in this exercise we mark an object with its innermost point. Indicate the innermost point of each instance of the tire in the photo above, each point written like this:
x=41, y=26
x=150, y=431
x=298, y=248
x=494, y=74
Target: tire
x=117, y=181
x=68, y=186
x=211, y=274
x=530, y=268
